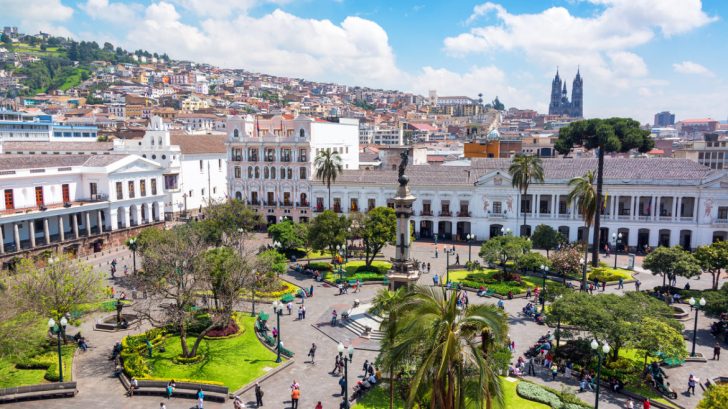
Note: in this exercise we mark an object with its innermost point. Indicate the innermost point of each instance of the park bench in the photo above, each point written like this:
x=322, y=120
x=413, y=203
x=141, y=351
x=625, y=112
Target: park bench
x=40, y=391
x=213, y=393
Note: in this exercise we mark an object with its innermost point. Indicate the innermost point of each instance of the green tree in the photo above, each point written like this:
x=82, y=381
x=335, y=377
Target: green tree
x=380, y=228
x=327, y=230
x=6, y=39
x=567, y=260
x=328, y=165
x=219, y=263
x=671, y=262
x=713, y=259
x=606, y=136
x=451, y=349
x=287, y=233
x=271, y=261
x=653, y=335
x=229, y=217
x=546, y=238
x=715, y=397
x=55, y=290
x=582, y=191
x=503, y=249
x=532, y=261
x=385, y=304
x=524, y=170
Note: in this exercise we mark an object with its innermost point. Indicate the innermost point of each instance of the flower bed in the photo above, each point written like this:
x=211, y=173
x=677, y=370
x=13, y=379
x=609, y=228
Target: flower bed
x=556, y=400
x=490, y=278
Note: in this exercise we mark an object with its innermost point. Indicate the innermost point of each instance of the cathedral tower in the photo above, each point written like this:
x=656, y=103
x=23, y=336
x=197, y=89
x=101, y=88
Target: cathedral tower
x=577, y=97
x=555, y=95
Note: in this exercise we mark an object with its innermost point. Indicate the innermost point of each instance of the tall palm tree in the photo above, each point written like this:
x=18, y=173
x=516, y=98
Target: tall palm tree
x=582, y=190
x=328, y=166
x=524, y=170
x=386, y=305
x=454, y=369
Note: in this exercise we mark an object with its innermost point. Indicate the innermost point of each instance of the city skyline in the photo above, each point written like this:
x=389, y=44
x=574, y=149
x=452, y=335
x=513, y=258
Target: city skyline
x=636, y=59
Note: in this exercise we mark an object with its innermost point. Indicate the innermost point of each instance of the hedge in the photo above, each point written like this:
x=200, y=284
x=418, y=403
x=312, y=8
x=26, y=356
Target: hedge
x=320, y=266
x=537, y=393
x=609, y=274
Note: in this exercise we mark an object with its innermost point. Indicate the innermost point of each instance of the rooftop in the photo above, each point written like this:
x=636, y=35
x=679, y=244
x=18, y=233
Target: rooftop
x=195, y=144
x=57, y=146
x=16, y=162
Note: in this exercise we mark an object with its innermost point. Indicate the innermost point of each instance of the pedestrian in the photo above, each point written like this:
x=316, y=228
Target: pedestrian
x=303, y=312
x=170, y=388
x=365, y=367
x=457, y=259
x=620, y=283
x=336, y=365
x=358, y=285
x=428, y=267
x=319, y=406
x=200, y=398
x=637, y=288
x=342, y=384
x=312, y=353
x=133, y=385
x=646, y=404
x=310, y=291
x=435, y=251
x=333, y=318
x=274, y=332
x=554, y=371
x=604, y=285
x=289, y=306
x=258, y=395
x=162, y=405
x=531, y=369
x=691, y=384
x=716, y=351
x=295, y=395
x=370, y=369
x=300, y=312
x=630, y=404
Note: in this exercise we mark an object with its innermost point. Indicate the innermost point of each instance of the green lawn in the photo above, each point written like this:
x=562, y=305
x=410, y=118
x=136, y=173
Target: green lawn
x=500, y=287
x=379, y=398
x=233, y=361
x=11, y=375
x=376, y=266
x=610, y=274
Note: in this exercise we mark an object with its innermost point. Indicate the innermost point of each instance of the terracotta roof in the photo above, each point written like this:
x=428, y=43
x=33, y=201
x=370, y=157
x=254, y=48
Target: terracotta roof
x=57, y=146
x=194, y=144
x=13, y=162
x=698, y=120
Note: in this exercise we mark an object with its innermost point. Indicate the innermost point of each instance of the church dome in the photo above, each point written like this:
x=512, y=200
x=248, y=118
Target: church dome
x=493, y=135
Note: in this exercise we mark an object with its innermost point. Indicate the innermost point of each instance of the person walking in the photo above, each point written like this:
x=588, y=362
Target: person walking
x=629, y=404
x=554, y=371
x=200, y=398
x=531, y=369
x=289, y=306
x=457, y=259
x=295, y=396
x=637, y=288
x=620, y=285
x=300, y=312
x=692, y=381
x=258, y=395
x=716, y=352
x=319, y=405
x=170, y=388
x=646, y=404
x=342, y=384
x=365, y=367
x=312, y=353
x=333, y=318
x=435, y=251
x=303, y=312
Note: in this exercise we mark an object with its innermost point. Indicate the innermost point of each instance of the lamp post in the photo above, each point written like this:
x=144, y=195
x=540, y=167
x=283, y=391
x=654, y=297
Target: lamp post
x=61, y=328
x=346, y=360
x=448, y=251
x=505, y=231
x=339, y=249
x=696, y=305
x=544, y=272
x=470, y=238
x=278, y=310
x=558, y=324
x=601, y=353
x=133, y=248
x=346, y=250
x=617, y=239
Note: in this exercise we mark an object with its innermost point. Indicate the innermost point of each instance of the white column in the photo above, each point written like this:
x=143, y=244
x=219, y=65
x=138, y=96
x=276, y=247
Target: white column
x=61, y=231
x=16, y=234
x=695, y=216
x=100, y=221
x=113, y=219
x=46, y=231
x=554, y=205
x=74, y=219
x=632, y=212
x=653, y=208
x=88, y=223
x=676, y=215
x=31, y=229
x=2, y=239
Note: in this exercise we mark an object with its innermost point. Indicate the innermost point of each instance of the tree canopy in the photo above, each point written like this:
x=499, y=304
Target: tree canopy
x=327, y=230
x=547, y=238
x=379, y=229
x=502, y=249
x=328, y=165
x=670, y=262
x=524, y=170
x=567, y=260
x=713, y=259
x=291, y=235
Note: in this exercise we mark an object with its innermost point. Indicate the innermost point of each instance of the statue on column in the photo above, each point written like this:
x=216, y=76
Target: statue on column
x=403, y=179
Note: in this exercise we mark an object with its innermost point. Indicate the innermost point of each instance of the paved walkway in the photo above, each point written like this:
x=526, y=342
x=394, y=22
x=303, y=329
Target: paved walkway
x=99, y=389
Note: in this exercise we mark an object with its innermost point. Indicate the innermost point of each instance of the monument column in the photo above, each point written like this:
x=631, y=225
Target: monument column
x=404, y=272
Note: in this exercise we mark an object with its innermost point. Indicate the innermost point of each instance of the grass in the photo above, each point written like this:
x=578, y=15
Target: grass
x=377, y=266
x=233, y=361
x=499, y=287
x=378, y=398
x=72, y=80
x=610, y=274
x=11, y=375
x=318, y=254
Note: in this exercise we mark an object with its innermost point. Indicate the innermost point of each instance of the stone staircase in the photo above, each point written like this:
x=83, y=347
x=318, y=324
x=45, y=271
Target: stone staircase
x=360, y=319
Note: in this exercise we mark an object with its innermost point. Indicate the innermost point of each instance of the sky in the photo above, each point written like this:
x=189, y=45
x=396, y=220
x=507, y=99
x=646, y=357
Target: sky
x=637, y=57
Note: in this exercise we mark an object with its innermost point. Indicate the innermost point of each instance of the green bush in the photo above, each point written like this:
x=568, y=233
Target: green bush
x=532, y=262
x=608, y=274
x=135, y=366
x=320, y=266
x=536, y=393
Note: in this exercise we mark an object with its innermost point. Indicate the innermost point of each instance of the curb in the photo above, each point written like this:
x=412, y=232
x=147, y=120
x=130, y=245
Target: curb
x=262, y=378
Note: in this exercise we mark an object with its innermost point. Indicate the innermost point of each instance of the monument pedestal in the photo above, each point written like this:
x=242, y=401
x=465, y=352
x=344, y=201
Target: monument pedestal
x=404, y=272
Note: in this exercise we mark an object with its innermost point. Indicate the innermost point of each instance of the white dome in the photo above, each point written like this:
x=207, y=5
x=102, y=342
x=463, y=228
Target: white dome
x=493, y=135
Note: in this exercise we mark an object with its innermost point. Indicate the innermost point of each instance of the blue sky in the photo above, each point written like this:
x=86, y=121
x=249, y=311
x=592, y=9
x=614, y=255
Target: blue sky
x=637, y=57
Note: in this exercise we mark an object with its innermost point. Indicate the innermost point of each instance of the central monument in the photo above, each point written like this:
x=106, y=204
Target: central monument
x=404, y=271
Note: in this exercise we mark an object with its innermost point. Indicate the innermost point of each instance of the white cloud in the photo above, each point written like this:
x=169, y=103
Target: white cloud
x=689, y=67
x=38, y=15
x=116, y=13
x=356, y=51
x=223, y=8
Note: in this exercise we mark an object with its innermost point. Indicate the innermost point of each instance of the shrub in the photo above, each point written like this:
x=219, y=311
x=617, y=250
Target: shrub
x=715, y=397
x=532, y=262
x=536, y=393
x=320, y=266
x=608, y=274
x=230, y=329
x=135, y=366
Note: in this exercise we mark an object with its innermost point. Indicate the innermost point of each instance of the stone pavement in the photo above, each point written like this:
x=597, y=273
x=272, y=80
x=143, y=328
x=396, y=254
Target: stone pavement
x=99, y=389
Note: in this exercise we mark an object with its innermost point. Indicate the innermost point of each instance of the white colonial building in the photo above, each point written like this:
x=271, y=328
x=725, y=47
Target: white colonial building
x=67, y=200
x=270, y=160
x=650, y=201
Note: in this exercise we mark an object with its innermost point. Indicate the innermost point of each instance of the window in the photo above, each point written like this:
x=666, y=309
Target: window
x=273, y=173
x=266, y=173
x=237, y=172
x=143, y=187
x=237, y=154
x=337, y=204
x=93, y=190
x=236, y=133
x=219, y=164
x=119, y=191
x=253, y=154
x=287, y=199
x=723, y=213
x=39, y=195
x=257, y=172
x=270, y=155
x=497, y=208
x=189, y=194
x=319, y=203
x=271, y=199
x=302, y=155
x=302, y=173
x=250, y=172
x=201, y=169
x=285, y=155
x=154, y=186
x=301, y=133
x=371, y=204
x=202, y=191
x=66, y=193
x=354, y=205
x=131, y=189
x=9, y=200
x=254, y=198
x=170, y=182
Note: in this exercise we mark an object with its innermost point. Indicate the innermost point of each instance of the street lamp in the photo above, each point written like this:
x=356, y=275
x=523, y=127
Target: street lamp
x=558, y=324
x=544, y=272
x=340, y=250
x=696, y=305
x=278, y=310
x=448, y=251
x=133, y=248
x=61, y=328
x=617, y=239
x=601, y=353
x=505, y=231
x=470, y=238
x=346, y=360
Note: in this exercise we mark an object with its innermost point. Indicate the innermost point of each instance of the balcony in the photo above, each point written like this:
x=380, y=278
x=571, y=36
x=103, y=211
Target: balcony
x=426, y=213
x=337, y=209
x=445, y=213
x=318, y=209
x=720, y=221
x=286, y=204
x=564, y=215
x=499, y=215
x=253, y=202
x=667, y=218
x=285, y=159
x=303, y=204
x=464, y=213
x=237, y=158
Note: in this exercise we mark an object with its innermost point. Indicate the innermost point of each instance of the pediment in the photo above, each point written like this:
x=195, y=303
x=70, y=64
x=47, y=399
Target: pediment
x=136, y=166
x=494, y=178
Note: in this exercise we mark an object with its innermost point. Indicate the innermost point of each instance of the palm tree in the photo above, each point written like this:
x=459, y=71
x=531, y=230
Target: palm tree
x=582, y=190
x=454, y=369
x=385, y=304
x=328, y=167
x=524, y=170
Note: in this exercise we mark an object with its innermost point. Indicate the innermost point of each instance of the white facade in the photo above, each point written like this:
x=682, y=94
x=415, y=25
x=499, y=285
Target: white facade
x=271, y=160
x=52, y=199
